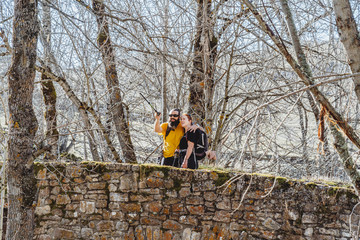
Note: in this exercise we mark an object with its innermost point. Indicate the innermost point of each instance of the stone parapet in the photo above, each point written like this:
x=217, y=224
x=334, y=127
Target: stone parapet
x=124, y=201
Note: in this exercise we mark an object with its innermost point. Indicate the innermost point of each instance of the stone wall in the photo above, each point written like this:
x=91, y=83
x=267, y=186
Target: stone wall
x=123, y=201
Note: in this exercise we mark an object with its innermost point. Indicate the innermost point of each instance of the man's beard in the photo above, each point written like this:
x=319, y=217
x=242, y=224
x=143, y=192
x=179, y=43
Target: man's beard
x=174, y=124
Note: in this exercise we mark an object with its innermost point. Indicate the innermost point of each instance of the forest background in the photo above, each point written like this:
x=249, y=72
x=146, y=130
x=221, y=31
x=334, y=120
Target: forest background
x=276, y=84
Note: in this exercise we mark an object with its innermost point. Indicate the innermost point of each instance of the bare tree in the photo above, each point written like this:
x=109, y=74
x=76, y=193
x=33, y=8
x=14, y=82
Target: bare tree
x=116, y=105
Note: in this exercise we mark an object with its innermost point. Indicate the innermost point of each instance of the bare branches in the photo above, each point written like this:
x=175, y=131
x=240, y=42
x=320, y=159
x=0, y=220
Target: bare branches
x=82, y=107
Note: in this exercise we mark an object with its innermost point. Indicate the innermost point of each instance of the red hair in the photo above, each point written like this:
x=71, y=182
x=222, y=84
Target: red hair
x=188, y=116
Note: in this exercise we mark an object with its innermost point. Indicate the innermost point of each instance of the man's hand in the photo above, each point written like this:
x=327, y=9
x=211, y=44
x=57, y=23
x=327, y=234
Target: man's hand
x=157, y=127
x=157, y=115
x=193, y=128
x=211, y=155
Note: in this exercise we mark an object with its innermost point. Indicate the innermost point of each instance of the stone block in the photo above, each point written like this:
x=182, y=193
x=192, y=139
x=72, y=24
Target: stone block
x=77, y=197
x=179, y=207
x=112, y=187
x=210, y=196
x=119, y=197
x=63, y=199
x=130, y=207
x=150, y=221
x=96, y=185
x=172, y=225
x=61, y=233
x=101, y=203
x=128, y=183
x=196, y=210
x=225, y=204
x=74, y=172
x=44, y=210
x=172, y=194
x=309, y=218
x=154, y=207
x=86, y=233
x=188, y=220
x=332, y=232
x=141, y=197
x=184, y=192
x=117, y=215
x=105, y=226
x=55, y=190
x=271, y=224
x=309, y=232
x=87, y=207
x=222, y=216
x=194, y=200
x=154, y=182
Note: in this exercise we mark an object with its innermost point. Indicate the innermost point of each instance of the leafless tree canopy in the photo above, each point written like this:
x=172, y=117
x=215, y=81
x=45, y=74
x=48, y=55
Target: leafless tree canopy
x=214, y=59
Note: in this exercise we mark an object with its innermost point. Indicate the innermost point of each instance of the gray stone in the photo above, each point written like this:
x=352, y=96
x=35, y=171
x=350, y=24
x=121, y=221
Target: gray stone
x=309, y=232
x=43, y=210
x=87, y=207
x=271, y=224
x=86, y=233
x=128, y=183
x=122, y=226
x=119, y=197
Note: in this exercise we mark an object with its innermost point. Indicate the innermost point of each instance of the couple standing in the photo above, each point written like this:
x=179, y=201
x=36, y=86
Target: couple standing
x=180, y=136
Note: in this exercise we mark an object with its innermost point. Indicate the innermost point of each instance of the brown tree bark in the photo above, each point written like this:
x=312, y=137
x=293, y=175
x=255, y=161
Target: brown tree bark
x=202, y=83
x=197, y=84
x=23, y=122
x=116, y=108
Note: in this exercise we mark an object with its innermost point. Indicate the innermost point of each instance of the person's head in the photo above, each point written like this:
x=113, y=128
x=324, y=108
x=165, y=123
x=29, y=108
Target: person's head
x=174, y=117
x=186, y=120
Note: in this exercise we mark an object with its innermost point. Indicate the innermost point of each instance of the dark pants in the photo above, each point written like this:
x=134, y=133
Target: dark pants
x=170, y=161
x=192, y=163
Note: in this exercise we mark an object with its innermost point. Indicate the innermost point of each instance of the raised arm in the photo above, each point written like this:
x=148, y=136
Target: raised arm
x=157, y=127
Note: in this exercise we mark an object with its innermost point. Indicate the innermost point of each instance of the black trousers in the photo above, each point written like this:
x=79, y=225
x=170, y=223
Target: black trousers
x=170, y=161
x=192, y=163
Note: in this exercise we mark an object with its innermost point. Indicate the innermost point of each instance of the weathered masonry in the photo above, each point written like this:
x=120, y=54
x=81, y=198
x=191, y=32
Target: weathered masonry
x=123, y=201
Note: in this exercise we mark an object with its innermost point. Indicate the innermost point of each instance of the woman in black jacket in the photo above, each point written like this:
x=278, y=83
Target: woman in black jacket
x=188, y=143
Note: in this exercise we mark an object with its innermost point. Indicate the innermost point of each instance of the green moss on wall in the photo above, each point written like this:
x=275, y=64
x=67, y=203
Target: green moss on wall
x=96, y=167
x=147, y=169
x=222, y=178
x=177, y=184
x=283, y=182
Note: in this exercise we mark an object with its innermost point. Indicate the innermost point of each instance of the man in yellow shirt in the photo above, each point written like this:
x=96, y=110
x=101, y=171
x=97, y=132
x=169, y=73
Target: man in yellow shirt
x=172, y=133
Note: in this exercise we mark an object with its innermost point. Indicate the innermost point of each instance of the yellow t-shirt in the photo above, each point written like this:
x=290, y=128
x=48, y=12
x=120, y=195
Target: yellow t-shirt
x=172, y=141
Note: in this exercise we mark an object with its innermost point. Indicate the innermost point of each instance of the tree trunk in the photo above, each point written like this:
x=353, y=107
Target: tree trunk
x=202, y=84
x=300, y=55
x=23, y=122
x=209, y=55
x=197, y=84
x=350, y=38
x=48, y=89
x=117, y=109
x=164, y=72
